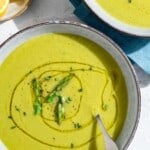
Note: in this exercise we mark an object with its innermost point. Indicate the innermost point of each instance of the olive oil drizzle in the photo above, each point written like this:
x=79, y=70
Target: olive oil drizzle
x=96, y=69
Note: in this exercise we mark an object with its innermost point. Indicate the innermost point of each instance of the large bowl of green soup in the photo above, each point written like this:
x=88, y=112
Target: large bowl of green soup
x=55, y=78
x=129, y=16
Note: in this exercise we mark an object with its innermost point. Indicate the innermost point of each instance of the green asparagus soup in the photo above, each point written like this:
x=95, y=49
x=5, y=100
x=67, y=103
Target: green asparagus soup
x=133, y=12
x=52, y=86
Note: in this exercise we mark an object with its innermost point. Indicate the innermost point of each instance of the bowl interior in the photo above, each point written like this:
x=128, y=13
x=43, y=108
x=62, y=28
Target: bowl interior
x=115, y=23
x=74, y=28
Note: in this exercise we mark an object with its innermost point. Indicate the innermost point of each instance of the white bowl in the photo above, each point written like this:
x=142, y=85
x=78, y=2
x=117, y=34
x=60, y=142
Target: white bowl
x=134, y=104
x=114, y=22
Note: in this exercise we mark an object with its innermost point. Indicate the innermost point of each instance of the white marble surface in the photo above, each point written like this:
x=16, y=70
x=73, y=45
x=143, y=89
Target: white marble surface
x=44, y=10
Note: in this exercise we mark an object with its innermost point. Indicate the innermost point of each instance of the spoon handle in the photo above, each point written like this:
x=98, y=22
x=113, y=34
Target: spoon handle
x=110, y=144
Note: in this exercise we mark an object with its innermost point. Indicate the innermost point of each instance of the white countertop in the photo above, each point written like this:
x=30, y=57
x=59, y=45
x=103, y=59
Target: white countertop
x=44, y=10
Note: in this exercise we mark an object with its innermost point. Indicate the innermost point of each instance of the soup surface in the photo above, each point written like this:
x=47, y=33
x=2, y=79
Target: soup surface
x=52, y=86
x=133, y=12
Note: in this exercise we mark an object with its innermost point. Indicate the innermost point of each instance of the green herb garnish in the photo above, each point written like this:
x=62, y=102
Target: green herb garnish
x=68, y=100
x=60, y=109
x=30, y=71
x=17, y=109
x=47, y=78
x=77, y=125
x=56, y=79
x=37, y=92
x=80, y=90
x=37, y=107
x=60, y=113
x=71, y=69
x=13, y=127
x=90, y=68
x=105, y=107
x=51, y=97
x=62, y=83
x=24, y=113
x=71, y=145
x=10, y=117
x=54, y=95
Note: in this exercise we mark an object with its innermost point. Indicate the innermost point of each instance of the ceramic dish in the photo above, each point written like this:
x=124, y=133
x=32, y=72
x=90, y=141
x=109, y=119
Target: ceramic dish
x=116, y=23
x=15, y=8
x=133, y=111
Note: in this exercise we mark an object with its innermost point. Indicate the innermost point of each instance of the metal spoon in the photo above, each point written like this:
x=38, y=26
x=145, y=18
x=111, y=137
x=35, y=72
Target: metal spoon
x=110, y=144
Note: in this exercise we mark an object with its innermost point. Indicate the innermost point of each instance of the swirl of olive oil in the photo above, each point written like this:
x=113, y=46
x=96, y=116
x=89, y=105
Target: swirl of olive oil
x=97, y=70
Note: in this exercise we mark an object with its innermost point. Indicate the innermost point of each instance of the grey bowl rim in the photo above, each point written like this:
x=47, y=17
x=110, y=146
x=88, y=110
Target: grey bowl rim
x=117, y=48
